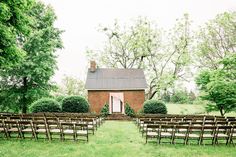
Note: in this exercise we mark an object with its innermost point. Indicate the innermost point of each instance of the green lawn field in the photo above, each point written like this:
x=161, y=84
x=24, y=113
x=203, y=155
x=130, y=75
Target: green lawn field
x=112, y=139
x=192, y=109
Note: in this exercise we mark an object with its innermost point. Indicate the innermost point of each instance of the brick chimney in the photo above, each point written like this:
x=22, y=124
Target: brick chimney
x=93, y=66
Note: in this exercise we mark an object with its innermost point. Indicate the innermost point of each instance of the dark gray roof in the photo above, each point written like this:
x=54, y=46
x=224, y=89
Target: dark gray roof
x=115, y=79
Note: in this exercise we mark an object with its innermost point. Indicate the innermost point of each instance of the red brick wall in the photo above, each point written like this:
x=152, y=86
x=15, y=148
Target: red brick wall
x=97, y=99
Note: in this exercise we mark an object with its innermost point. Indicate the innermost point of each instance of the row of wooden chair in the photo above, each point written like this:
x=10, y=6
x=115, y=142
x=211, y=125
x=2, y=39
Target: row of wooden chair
x=203, y=119
x=49, y=124
x=47, y=129
x=191, y=132
x=143, y=125
x=98, y=120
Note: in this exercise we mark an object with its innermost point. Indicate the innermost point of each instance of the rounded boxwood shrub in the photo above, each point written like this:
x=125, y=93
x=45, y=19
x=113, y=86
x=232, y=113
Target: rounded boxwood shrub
x=129, y=111
x=45, y=105
x=75, y=104
x=154, y=107
x=105, y=110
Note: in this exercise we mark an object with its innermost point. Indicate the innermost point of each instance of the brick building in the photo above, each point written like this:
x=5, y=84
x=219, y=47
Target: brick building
x=115, y=87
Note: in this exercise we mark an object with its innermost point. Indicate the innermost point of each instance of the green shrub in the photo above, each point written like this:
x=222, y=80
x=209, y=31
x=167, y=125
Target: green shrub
x=166, y=97
x=105, y=110
x=154, y=107
x=59, y=98
x=180, y=97
x=45, y=105
x=129, y=111
x=75, y=104
x=140, y=112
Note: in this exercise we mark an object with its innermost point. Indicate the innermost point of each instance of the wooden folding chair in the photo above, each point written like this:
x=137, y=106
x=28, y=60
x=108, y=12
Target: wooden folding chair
x=223, y=132
x=90, y=123
x=166, y=131
x=54, y=128
x=12, y=126
x=144, y=126
x=67, y=128
x=81, y=130
x=233, y=135
x=181, y=132
x=40, y=127
x=153, y=131
x=2, y=128
x=194, y=133
x=26, y=127
x=208, y=133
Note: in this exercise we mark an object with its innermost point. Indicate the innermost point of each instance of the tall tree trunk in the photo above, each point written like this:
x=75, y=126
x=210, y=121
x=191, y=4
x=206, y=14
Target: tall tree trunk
x=221, y=111
x=24, y=99
x=152, y=95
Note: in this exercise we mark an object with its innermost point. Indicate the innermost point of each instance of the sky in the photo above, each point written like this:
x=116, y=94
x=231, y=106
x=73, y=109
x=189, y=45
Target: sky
x=80, y=19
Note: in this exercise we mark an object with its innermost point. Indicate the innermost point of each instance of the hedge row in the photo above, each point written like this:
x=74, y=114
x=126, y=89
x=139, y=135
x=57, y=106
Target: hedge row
x=68, y=104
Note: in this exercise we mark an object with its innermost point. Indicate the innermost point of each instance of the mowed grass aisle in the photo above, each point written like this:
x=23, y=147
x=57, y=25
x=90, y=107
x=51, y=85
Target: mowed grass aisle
x=112, y=139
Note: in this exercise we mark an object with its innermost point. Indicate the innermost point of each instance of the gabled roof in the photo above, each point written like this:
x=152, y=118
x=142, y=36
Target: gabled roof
x=115, y=79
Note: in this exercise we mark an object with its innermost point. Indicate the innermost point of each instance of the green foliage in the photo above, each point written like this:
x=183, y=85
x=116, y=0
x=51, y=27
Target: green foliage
x=141, y=111
x=59, y=99
x=216, y=40
x=105, y=110
x=166, y=97
x=14, y=23
x=154, y=107
x=182, y=97
x=29, y=79
x=75, y=104
x=45, y=105
x=220, y=86
x=72, y=86
x=129, y=111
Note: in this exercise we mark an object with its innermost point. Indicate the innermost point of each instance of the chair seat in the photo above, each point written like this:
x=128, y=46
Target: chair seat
x=208, y=130
x=207, y=135
x=179, y=135
x=53, y=126
x=182, y=130
x=81, y=132
x=40, y=130
x=68, y=131
x=13, y=130
x=194, y=136
x=152, y=134
x=27, y=130
x=222, y=135
x=169, y=130
x=90, y=126
x=166, y=134
x=55, y=130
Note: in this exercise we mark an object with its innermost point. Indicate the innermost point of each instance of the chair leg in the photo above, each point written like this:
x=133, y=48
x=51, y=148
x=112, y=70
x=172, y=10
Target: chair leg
x=227, y=140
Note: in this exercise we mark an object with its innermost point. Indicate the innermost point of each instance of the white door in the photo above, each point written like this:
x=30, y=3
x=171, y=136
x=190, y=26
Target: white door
x=116, y=105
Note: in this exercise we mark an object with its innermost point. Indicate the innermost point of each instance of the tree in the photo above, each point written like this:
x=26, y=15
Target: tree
x=71, y=86
x=14, y=23
x=219, y=86
x=29, y=80
x=216, y=40
x=129, y=47
x=141, y=46
x=171, y=63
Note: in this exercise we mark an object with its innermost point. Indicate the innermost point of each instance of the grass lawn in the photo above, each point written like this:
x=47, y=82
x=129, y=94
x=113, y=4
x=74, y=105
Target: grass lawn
x=113, y=139
x=192, y=109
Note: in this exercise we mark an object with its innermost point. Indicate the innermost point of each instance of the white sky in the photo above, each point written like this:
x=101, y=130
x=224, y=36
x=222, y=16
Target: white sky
x=81, y=18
